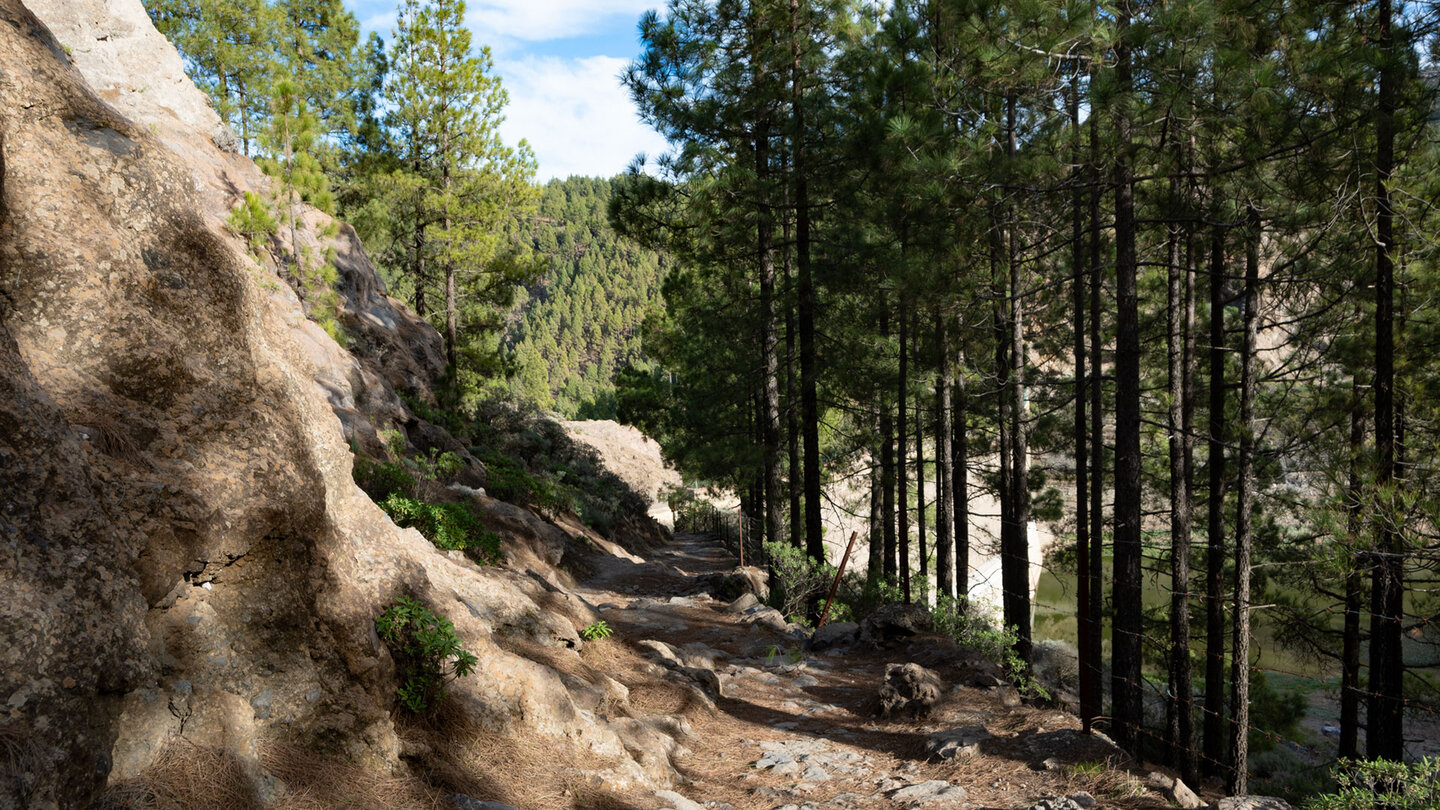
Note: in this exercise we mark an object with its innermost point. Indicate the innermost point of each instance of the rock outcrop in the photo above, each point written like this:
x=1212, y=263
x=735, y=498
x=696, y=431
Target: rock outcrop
x=185, y=554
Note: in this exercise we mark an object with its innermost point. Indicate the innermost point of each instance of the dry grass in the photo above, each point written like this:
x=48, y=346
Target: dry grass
x=185, y=776
x=107, y=434
x=520, y=769
x=318, y=782
x=20, y=763
x=662, y=697
x=1108, y=780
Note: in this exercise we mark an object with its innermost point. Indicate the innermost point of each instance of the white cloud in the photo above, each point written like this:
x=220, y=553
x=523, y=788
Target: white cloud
x=575, y=114
x=540, y=20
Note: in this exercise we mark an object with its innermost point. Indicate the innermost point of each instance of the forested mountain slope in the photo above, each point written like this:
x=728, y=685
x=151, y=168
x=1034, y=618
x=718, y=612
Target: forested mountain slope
x=570, y=331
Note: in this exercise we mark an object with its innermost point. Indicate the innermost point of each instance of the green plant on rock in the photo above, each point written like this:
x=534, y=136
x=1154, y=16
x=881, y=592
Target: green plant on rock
x=426, y=650
x=252, y=220
x=971, y=627
x=450, y=526
x=381, y=479
x=596, y=631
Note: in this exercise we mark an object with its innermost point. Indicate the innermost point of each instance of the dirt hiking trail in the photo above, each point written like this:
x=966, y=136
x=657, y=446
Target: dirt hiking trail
x=773, y=725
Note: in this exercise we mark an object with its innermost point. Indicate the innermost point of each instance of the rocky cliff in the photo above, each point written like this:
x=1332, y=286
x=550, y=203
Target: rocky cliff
x=189, y=572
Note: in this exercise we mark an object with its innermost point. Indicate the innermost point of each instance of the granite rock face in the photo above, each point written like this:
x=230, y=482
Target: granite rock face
x=184, y=551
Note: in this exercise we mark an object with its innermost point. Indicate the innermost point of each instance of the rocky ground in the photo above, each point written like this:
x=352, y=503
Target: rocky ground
x=772, y=724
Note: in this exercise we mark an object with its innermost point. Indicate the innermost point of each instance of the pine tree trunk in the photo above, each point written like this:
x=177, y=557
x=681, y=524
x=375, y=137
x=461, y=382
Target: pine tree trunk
x=887, y=466
x=1244, y=500
x=1092, y=657
x=1083, y=618
x=809, y=372
x=1214, y=739
x=945, y=464
x=1016, y=576
x=902, y=495
x=769, y=347
x=418, y=270
x=792, y=413
x=919, y=455
x=1127, y=639
x=998, y=290
x=875, y=564
x=960, y=481
x=1178, y=707
x=452, y=306
x=1350, y=693
x=1385, y=720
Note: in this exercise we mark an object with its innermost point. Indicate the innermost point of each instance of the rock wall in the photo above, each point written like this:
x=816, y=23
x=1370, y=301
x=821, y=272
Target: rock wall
x=185, y=555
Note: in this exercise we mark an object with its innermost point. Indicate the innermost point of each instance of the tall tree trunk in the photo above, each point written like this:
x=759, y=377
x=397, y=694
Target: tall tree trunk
x=1092, y=657
x=452, y=304
x=792, y=413
x=1214, y=740
x=1385, y=719
x=960, y=481
x=919, y=455
x=875, y=564
x=1179, y=715
x=1128, y=631
x=902, y=495
x=1188, y=755
x=809, y=372
x=418, y=271
x=887, y=466
x=945, y=465
x=1016, y=576
x=1083, y=618
x=1350, y=693
x=769, y=344
x=1244, y=506
x=1000, y=315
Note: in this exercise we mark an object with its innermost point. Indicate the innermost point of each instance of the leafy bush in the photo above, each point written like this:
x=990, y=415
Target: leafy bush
x=796, y=579
x=451, y=526
x=381, y=479
x=505, y=478
x=426, y=650
x=972, y=628
x=1382, y=783
x=597, y=631
x=509, y=481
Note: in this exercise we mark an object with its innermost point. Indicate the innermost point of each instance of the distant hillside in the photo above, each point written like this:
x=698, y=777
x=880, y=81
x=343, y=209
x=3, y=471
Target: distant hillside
x=569, y=332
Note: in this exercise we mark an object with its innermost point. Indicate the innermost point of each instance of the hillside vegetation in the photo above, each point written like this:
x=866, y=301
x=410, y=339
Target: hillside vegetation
x=569, y=331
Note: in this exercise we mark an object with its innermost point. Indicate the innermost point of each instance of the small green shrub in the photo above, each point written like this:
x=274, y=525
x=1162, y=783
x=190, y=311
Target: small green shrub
x=972, y=628
x=252, y=220
x=797, y=579
x=1382, y=783
x=426, y=650
x=394, y=440
x=381, y=479
x=451, y=526
x=506, y=480
x=597, y=631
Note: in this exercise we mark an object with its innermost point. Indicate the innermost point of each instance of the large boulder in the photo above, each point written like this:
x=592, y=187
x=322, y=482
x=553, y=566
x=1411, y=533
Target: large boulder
x=908, y=688
x=893, y=623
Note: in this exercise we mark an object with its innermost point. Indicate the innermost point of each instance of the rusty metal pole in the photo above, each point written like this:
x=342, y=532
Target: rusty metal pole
x=740, y=525
x=839, y=572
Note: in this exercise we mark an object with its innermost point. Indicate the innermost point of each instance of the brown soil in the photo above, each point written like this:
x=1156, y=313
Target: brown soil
x=784, y=693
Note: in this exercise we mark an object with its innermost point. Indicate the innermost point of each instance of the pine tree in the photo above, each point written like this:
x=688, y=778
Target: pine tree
x=461, y=185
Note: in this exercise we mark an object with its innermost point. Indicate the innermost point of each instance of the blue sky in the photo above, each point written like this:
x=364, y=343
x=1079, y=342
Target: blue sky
x=560, y=61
